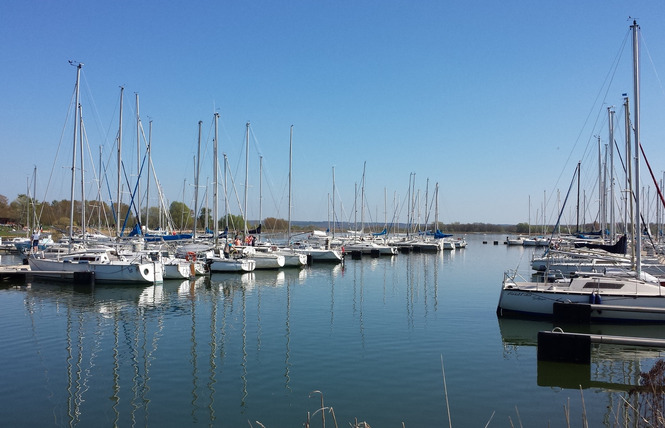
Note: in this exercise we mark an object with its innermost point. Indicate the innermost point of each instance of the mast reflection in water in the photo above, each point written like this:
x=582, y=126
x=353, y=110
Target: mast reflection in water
x=231, y=349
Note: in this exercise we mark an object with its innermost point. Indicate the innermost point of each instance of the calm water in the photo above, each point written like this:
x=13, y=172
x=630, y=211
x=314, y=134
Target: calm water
x=232, y=350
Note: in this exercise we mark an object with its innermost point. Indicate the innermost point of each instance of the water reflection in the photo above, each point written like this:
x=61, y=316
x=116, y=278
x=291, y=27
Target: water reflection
x=613, y=367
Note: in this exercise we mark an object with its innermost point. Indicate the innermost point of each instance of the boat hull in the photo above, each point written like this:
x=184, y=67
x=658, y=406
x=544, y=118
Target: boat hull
x=539, y=303
x=231, y=265
x=117, y=272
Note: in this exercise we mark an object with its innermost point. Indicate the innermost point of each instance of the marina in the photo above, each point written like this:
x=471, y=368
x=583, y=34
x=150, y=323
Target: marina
x=372, y=335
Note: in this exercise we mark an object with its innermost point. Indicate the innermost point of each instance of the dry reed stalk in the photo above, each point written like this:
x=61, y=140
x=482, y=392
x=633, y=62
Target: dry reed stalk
x=445, y=390
x=585, y=422
x=323, y=414
x=519, y=419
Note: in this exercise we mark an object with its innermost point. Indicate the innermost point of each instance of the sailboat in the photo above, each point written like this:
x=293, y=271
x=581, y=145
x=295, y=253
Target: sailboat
x=221, y=260
x=105, y=262
x=609, y=297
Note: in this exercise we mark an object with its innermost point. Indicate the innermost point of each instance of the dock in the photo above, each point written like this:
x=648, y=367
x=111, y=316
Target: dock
x=24, y=272
x=557, y=345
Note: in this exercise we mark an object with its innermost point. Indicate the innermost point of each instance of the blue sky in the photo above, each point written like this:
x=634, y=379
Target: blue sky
x=494, y=101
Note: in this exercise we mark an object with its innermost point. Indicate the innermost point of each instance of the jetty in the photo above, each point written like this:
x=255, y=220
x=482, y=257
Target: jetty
x=18, y=272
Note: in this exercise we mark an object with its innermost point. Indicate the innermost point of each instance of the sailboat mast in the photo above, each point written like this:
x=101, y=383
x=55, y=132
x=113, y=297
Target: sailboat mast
x=76, y=124
x=290, y=182
x=636, y=123
x=260, y=189
x=215, y=204
x=80, y=124
x=246, y=177
x=600, y=189
x=147, y=185
x=117, y=212
x=196, y=181
x=138, y=159
x=362, y=200
x=333, y=202
x=611, y=166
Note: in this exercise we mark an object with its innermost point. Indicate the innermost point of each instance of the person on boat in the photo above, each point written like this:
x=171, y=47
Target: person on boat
x=236, y=241
x=35, y=240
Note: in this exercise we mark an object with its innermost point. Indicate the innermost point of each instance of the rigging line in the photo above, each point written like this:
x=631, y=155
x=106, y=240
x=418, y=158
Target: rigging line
x=619, y=54
x=62, y=133
x=564, y=202
x=644, y=46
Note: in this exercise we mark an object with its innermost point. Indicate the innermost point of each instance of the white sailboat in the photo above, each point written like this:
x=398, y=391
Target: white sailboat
x=220, y=261
x=612, y=297
x=105, y=263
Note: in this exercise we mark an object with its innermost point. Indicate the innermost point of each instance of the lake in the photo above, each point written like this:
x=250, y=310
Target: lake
x=389, y=340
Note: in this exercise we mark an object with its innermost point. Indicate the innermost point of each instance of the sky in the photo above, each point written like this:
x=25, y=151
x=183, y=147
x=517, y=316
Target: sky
x=494, y=102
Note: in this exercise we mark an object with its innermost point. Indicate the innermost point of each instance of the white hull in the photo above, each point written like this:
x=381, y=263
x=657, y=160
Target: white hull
x=537, y=299
x=177, y=270
x=322, y=255
x=268, y=261
x=369, y=248
x=294, y=259
x=116, y=271
x=217, y=264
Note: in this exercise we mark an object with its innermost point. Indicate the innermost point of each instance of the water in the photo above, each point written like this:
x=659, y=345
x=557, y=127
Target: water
x=377, y=339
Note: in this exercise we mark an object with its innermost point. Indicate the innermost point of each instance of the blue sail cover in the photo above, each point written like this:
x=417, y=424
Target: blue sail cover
x=136, y=230
x=383, y=232
x=438, y=234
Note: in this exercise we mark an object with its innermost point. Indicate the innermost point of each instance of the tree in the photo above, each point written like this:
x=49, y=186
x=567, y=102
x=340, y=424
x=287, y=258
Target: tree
x=235, y=222
x=201, y=220
x=522, y=228
x=182, y=215
x=275, y=224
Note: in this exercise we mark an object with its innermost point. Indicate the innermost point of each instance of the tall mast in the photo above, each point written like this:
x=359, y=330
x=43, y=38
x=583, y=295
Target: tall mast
x=80, y=124
x=99, y=192
x=436, y=207
x=611, y=166
x=117, y=213
x=147, y=185
x=138, y=159
x=76, y=124
x=215, y=183
x=636, y=90
x=226, y=199
x=246, y=177
x=578, y=198
x=260, y=189
x=290, y=182
x=196, y=181
x=333, y=202
x=629, y=180
x=362, y=200
x=600, y=189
